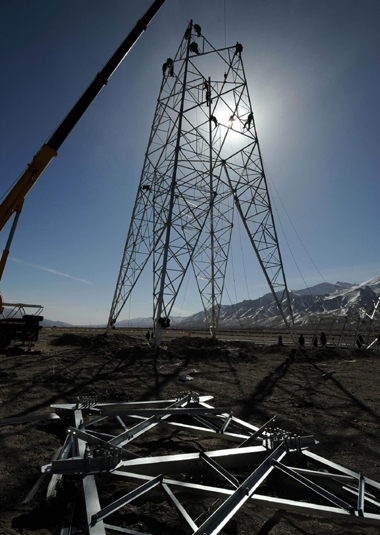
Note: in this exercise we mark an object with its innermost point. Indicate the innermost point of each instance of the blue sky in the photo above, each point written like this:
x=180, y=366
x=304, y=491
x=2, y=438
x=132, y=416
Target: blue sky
x=313, y=77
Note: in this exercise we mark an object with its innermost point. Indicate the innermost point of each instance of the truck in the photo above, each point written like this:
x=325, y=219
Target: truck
x=25, y=329
x=14, y=327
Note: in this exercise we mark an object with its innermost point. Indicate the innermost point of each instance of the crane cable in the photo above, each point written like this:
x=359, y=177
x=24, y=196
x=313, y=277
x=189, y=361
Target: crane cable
x=225, y=31
x=290, y=250
x=129, y=312
x=10, y=187
x=185, y=294
x=272, y=184
x=232, y=260
x=236, y=312
x=234, y=308
x=242, y=256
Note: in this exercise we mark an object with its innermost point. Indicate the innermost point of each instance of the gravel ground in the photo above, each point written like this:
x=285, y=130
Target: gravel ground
x=328, y=393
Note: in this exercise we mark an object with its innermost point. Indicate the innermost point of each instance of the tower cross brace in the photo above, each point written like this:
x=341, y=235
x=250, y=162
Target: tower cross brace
x=203, y=167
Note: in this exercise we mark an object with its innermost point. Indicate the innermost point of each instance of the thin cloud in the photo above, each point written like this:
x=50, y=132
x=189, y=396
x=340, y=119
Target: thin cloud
x=181, y=312
x=55, y=272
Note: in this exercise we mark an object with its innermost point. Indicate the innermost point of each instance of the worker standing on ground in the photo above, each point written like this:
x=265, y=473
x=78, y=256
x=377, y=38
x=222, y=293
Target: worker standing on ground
x=323, y=339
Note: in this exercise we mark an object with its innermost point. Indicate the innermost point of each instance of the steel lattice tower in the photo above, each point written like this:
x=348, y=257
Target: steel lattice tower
x=203, y=163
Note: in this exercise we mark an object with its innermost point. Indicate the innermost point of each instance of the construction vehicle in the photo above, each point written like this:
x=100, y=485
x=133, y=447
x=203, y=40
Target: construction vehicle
x=25, y=328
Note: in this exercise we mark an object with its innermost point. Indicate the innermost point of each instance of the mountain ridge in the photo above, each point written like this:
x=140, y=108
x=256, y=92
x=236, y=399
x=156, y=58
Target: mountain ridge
x=308, y=304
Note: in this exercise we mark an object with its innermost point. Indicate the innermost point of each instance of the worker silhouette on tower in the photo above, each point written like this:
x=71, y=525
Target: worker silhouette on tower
x=214, y=120
x=194, y=48
x=248, y=122
x=238, y=49
x=169, y=64
x=197, y=29
x=208, y=92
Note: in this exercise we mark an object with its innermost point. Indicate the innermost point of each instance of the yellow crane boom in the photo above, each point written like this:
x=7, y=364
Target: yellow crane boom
x=13, y=202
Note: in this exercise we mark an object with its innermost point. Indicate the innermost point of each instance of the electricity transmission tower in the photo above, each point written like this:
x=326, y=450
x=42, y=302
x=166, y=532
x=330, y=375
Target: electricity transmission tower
x=203, y=165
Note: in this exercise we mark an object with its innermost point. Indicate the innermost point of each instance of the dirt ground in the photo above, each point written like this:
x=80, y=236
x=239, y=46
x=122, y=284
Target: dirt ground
x=331, y=394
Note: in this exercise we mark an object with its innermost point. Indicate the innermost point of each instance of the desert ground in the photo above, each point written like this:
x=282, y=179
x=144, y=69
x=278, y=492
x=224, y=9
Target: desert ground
x=329, y=393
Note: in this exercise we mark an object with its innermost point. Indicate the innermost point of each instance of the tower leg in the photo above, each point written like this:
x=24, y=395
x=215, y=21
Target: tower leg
x=203, y=162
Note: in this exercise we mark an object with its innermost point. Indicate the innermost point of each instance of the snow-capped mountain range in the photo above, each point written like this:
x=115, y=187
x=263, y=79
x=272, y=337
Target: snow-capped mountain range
x=308, y=305
x=339, y=299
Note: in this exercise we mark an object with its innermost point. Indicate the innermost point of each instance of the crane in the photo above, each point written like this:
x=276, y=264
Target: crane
x=13, y=202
